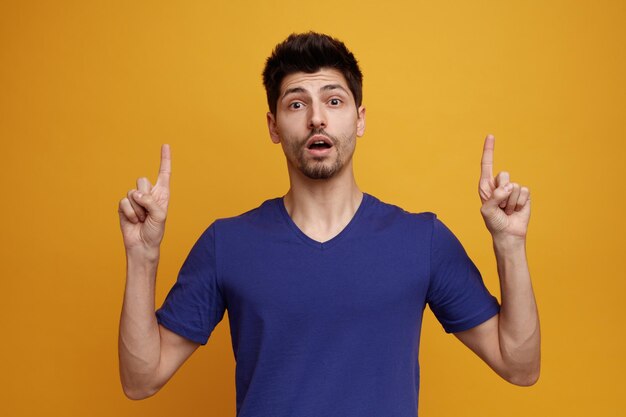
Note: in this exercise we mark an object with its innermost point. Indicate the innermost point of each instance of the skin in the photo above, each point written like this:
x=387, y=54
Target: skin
x=309, y=103
x=322, y=198
x=149, y=354
x=510, y=342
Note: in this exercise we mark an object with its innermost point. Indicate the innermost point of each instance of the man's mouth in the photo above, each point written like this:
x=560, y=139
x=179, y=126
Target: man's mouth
x=319, y=142
x=319, y=145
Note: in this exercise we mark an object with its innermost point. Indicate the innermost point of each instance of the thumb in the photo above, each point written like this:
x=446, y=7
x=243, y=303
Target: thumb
x=499, y=195
x=147, y=201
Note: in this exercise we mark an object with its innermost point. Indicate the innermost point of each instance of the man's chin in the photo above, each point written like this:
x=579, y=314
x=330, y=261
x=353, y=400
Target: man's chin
x=320, y=176
x=320, y=171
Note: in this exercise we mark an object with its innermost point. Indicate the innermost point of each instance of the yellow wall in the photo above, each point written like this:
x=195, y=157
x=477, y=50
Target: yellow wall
x=89, y=90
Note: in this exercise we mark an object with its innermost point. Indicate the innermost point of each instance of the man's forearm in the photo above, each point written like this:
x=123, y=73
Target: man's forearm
x=519, y=321
x=139, y=338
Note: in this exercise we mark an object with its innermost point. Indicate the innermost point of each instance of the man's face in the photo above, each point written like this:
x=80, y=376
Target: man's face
x=316, y=122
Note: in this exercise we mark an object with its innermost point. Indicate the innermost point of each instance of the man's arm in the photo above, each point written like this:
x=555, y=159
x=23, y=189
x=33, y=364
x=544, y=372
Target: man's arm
x=510, y=341
x=149, y=354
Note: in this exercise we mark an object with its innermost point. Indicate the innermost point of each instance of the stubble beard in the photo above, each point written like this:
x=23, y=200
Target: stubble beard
x=320, y=168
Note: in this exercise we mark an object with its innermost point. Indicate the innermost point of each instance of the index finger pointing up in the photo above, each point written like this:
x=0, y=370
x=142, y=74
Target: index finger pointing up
x=165, y=169
x=486, y=163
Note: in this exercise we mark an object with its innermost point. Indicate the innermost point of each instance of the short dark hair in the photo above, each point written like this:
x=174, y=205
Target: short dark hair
x=310, y=52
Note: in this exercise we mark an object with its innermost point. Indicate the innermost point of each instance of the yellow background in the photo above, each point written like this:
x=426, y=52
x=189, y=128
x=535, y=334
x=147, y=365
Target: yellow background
x=89, y=91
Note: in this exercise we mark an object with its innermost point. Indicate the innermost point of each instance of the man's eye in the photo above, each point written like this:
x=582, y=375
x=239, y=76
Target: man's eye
x=334, y=101
x=296, y=105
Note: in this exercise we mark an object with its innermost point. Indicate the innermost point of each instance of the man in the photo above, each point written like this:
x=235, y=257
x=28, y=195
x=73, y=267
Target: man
x=325, y=287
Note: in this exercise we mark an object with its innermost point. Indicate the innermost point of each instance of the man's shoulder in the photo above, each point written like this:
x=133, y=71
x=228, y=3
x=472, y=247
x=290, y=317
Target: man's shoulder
x=267, y=214
x=426, y=222
x=392, y=212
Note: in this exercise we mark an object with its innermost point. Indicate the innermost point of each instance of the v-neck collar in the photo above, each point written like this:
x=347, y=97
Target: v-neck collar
x=331, y=242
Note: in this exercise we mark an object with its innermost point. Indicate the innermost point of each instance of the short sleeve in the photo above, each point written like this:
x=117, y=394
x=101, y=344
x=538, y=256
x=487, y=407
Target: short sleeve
x=456, y=293
x=195, y=305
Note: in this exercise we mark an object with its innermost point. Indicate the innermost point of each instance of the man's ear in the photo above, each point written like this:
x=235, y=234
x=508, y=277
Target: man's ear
x=273, y=129
x=360, y=122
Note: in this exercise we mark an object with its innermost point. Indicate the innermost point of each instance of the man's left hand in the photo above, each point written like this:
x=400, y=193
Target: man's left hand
x=505, y=204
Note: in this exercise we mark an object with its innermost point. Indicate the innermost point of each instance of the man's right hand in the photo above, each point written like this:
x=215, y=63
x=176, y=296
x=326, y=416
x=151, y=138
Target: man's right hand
x=149, y=353
x=143, y=211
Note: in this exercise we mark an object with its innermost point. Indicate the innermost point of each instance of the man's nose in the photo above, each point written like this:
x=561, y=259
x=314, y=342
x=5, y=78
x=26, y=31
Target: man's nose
x=317, y=116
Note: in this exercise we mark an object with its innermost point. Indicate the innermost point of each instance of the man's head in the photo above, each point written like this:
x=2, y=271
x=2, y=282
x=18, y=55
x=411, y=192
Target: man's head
x=308, y=53
x=314, y=92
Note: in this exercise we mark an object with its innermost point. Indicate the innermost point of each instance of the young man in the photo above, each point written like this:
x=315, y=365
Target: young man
x=325, y=287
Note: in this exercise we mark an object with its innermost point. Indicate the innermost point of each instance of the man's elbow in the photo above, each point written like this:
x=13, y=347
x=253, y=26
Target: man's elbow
x=524, y=378
x=138, y=393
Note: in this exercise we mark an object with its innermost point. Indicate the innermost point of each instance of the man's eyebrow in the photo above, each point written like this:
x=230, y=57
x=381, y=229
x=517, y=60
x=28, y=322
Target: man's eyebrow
x=333, y=87
x=327, y=87
x=293, y=91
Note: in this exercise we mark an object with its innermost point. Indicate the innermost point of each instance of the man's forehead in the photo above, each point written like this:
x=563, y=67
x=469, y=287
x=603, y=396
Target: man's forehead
x=313, y=81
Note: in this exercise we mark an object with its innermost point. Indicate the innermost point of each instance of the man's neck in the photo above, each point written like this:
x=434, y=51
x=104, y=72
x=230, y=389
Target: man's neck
x=323, y=208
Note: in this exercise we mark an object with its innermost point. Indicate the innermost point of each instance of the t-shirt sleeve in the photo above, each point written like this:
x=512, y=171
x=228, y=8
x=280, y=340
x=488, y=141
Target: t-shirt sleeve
x=195, y=305
x=456, y=294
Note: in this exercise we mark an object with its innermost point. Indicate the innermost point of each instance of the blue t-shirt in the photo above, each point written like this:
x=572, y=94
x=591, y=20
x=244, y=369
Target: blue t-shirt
x=326, y=329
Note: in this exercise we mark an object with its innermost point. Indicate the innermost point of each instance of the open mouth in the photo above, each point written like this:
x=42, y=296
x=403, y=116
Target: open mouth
x=319, y=144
